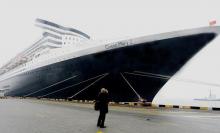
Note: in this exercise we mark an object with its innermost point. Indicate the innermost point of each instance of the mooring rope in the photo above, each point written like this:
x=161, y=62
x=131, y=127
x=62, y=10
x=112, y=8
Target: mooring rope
x=71, y=86
x=50, y=86
x=139, y=97
x=146, y=75
x=166, y=77
x=154, y=74
x=88, y=86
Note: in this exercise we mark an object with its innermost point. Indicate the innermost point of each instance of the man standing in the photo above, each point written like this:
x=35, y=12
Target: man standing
x=103, y=100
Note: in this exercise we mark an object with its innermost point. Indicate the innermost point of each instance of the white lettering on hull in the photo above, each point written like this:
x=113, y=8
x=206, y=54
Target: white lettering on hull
x=117, y=44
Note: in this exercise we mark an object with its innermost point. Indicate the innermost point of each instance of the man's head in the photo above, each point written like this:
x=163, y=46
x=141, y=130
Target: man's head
x=103, y=90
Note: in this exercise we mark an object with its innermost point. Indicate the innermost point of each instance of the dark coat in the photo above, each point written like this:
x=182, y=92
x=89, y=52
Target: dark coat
x=103, y=102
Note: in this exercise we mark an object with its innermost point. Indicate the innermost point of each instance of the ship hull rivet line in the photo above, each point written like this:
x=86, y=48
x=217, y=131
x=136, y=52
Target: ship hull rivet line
x=88, y=86
x=139, y=97
x=62, y=89
x=50, y=86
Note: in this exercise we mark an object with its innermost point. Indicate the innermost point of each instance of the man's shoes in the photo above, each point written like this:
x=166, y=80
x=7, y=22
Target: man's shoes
x=102, y=126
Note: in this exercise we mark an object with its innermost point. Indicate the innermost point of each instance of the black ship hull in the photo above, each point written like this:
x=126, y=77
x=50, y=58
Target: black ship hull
x=116, y=69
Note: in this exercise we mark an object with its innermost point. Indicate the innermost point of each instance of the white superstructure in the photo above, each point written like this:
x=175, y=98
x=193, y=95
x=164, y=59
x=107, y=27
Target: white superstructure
x=54, y=36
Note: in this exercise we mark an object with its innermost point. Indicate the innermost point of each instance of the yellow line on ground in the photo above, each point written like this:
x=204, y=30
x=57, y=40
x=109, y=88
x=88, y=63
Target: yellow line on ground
x=99, y=131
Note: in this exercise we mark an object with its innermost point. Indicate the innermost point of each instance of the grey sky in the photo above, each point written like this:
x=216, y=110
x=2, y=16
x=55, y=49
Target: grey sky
x=101, y=19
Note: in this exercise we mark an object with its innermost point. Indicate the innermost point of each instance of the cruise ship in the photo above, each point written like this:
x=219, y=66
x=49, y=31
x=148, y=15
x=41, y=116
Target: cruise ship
x=66, y=63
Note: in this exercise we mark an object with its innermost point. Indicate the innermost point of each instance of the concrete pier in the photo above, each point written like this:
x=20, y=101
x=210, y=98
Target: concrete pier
x=41, y=116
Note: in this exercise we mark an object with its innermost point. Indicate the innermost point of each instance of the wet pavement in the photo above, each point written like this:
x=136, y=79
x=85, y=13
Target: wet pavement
x=37, y=116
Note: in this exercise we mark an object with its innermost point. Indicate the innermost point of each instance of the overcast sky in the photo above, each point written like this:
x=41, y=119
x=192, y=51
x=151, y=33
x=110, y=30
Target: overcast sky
x=101, y=19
